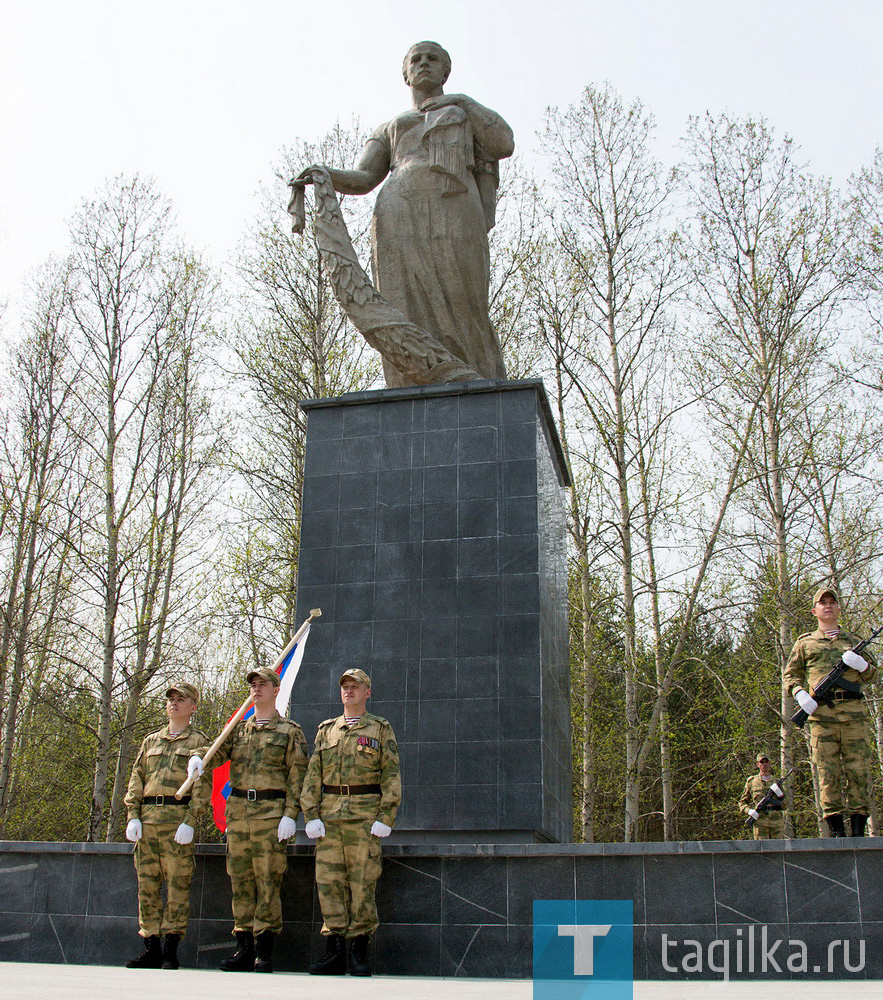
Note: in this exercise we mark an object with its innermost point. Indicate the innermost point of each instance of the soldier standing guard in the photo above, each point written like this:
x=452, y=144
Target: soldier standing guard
x=838, y=730
x=769, y=823
x=268, y=756
x=350, y=798
x=161, y=827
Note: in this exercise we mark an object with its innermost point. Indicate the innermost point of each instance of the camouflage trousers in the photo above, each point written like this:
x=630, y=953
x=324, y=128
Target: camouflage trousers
x=159, y=859
x=256, y=862
x=348, y=864
x=840, y=753
x=770, y=826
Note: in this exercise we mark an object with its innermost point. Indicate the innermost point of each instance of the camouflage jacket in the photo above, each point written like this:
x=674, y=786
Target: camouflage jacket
x=271, y=756
x=754, y=791
x=364, y=754
x=812, y=657
x=160, y=769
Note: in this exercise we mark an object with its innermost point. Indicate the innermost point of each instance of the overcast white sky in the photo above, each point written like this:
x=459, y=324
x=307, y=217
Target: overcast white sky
x=201, y=94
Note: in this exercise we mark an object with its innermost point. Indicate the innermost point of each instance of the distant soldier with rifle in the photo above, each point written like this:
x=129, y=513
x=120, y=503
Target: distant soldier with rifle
x=838, y=717
x=762, y=801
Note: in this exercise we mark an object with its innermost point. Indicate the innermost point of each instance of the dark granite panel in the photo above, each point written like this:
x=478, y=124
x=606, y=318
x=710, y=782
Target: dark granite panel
x=440, y=448
x=318, y=565
x=440, y=484
x=520, y=407
x=532, y=878
x=61, y=884
x=435, y=637
x=393, y=523
x=351, y=639
x=438, y=598
x=440, y=520
x=108, y=939
x=520, y=479
x=681, y=952
x=321, y=493
x=869, y=872
x=521, y=806
x=679, y=890
x=439, y=559
x=474, y=891
x=361, y=421
x=477, y=444
x=467, y=950
x=410, y=890
x=520, y=762
x=360, y=527
x=520, y=635
x=394, y=600
x=293, y=947
x=442, y=413
x=520, y=718
x=520, y=950
x=113, y=889
x=358, y=490
x=475, y=806
x=873, y=936
x=394, y=560
x=395, y=452
x=355, y=564
x=476, y=762
x=214, y=941
x=521, y=680
x=477, y=410
x=434, y=684
x=478, y=595
x=355, y=602
x=477, y=557
x=477, y=719
x=396, y=415
x=477, y=636
x=612, y=878
x=436, y=807
x=325, y=458
x=436, y=721
x=298, y=893
x=325, y=424
x=479, y=481
x=216, y=896
x=396, y=487
x=520, y=515
x=476, y=676
x=478, y=518
x=519, y=440
x=362, y=454
x=518, y=554
x=755, y=893
x=820, y=883
x=407, y=949
x=833, y=950
x=18, y=880
x=59, y=939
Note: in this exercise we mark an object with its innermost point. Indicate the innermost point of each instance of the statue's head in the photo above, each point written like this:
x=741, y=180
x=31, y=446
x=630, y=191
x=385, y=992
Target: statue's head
x=433, y=53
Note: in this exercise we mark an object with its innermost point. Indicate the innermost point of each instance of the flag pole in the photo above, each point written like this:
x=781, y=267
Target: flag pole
x=246, y=705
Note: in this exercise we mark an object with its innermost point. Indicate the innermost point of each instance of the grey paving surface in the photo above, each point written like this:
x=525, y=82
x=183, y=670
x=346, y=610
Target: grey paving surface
x=23, y=981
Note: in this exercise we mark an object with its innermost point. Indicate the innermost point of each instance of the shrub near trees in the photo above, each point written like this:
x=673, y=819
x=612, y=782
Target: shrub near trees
x=709, y=336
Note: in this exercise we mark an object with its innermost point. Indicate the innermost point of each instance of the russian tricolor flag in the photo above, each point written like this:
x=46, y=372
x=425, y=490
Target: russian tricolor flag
x=287, y=670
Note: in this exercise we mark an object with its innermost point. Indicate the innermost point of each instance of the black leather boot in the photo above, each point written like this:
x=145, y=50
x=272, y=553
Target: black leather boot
x=263, y=947
x=170, y=951
x=150, y=958
x=334, y=961
x=857, y=823
x=242, y=960
x=835, y=825
x=359, y=964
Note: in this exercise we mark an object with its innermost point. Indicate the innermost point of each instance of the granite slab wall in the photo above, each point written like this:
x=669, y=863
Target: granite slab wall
x=467, y=910
x=433, y=539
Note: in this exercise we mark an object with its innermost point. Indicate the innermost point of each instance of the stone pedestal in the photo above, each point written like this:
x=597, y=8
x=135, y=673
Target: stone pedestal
x=433, y=539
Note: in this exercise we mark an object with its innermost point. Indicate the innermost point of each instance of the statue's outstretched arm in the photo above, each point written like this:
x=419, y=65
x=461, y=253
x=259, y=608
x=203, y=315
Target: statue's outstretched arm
x=371, y=169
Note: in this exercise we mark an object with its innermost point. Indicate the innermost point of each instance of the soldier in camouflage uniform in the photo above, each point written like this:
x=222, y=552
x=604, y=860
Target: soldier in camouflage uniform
x=161, y=828
x=350, y=798
x=769, y=823
x=268, y=756
x=838, y=732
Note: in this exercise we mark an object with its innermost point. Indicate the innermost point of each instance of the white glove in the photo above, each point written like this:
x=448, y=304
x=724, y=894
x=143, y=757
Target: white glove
x=806, y=701
x=855, y=661
x=315, y=828
x=184, y=834
x=133, y=830
x=774, y=788
x=195, y=768
x=380, y=829
x=287, y=828
x=754, y=814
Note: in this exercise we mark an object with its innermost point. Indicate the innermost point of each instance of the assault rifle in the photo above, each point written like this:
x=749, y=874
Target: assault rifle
x=823, y=691
x=774, y=792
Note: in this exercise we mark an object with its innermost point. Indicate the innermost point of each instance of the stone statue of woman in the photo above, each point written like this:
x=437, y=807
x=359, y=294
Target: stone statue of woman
x=429, y=241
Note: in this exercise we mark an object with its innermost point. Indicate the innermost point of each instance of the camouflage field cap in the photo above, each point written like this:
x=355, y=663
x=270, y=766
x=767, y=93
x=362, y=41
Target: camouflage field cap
x=820, y=593
x=763, y=756
x=265, y=674
x=184, y=689
x=357, y=675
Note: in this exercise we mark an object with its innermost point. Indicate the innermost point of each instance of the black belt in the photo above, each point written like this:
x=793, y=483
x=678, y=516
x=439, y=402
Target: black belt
x=165, y=800
x=352, y=789
x=254, y=795
x=841, y=695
